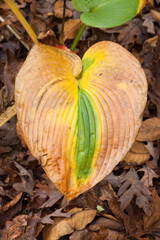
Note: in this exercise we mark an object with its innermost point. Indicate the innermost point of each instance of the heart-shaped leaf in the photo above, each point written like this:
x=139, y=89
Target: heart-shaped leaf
x=80, y=117
x=108, y=13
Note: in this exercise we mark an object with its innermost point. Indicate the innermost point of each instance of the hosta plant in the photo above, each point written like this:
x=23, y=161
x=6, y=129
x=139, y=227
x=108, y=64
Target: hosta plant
x=108, y=13
x=79, y=117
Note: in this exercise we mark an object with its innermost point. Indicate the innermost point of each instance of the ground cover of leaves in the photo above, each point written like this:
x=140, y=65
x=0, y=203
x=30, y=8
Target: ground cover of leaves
x=125, y=205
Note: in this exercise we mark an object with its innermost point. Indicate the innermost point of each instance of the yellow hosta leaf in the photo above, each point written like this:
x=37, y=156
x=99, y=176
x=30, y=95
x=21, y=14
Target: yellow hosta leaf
x=80, y=117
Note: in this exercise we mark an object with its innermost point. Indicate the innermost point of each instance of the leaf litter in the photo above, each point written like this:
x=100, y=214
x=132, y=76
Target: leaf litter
x=129, y=196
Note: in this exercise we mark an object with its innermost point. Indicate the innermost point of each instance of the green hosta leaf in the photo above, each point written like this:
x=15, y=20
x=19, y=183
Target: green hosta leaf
x=106, y=13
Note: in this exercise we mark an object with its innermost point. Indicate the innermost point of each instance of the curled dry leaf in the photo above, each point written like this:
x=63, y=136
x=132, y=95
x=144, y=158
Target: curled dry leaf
x=21, y=227
x=58, y=10
x=155, y=212
x=80, y=235
x=71, y=28
x=108, y=234
x=156, y=15
x=78, y=221
x=138, y=154
x=80, y=118
x=150, y=130
x=105, y=223
x=152, y=41
x=12, y=202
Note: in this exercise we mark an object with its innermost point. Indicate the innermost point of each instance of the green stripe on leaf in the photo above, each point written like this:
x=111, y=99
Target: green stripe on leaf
x=87, y=135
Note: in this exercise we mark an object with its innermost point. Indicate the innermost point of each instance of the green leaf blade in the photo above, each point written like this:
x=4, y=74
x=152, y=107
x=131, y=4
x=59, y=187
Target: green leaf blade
x=106, y=13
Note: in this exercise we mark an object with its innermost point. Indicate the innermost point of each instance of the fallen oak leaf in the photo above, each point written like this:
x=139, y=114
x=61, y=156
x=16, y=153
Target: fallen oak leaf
x=155, y=212
x=107, y=194
x=52, y=193
x=77, y=221
x=115, y=180
x=45, y=195
x=149, y=130
x=154, y=151
x=133, y=187
x=57, y=213
x=149, y=174
x=27, y=182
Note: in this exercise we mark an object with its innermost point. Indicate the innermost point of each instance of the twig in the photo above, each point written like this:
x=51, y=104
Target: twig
x=15, y=33
x=7, y=115
x=63, y=21
x=22, y=20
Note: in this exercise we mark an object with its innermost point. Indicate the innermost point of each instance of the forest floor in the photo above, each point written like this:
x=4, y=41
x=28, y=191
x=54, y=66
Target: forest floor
x=125, y=205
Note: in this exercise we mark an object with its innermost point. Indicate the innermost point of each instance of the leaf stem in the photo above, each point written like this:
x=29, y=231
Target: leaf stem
x=76, y=40
x=7, y=115
x=63, y=21
x=22, y=20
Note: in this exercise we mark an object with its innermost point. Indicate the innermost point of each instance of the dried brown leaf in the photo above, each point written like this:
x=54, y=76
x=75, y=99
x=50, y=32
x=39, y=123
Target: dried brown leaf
x=12, y=202
x=58, y=10
x=8, y=135
x=138, y=154
x=22, y=227
x=154, y=151
x=11, y=69
x=105, y=223
x=78, y=221
x=80, y=235
x=133, y=187
x=149, y=174
x=152, y=41
x=27, y=182
x=150, y=130
x=156, y=15
x=71, y=28
x=107, y=193
x=155, y=213
x=129, y=33
x=107, y=234
x=149, y=23
x=56, y=214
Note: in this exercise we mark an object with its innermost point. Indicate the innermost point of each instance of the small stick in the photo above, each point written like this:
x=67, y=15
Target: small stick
x=7, y=115
x=11, y=112
x=22, y=20
x=15, y=33
x=63, y=21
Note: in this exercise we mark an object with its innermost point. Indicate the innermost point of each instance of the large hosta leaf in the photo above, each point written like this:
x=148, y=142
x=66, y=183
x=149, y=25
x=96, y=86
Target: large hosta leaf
x=80, y=117
x=108, y=13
